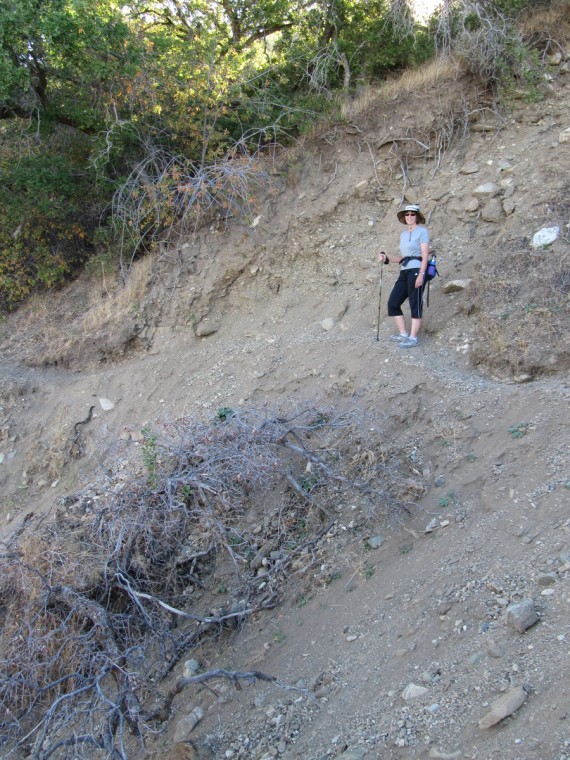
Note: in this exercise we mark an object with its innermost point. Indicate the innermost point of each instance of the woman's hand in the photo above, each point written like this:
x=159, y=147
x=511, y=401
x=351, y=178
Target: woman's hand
x=383, y=258
x=420, y=279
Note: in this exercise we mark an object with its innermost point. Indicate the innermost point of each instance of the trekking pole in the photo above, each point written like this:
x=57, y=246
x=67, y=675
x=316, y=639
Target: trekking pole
x=379, y=303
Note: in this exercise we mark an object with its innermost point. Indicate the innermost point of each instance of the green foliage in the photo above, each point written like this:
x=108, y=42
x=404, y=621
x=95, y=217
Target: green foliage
x=309, y=481
x=513, y=8
x=447, y=500
x=156, y=110
x=520, y=430
x=224, y=413
x=387, y=47
x=335, y=575
x=485, y=37
x=46, y=227
x=149, y=455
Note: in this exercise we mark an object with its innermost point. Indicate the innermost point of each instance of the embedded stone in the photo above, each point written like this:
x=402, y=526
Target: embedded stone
x=506, y=705
x=482, y=127
x=203, y=329
x=455, y=286
x=509, y=206
x=545, y=236
x=555, y=59
x=413, y=691
x=487, y=189
x=492, y=211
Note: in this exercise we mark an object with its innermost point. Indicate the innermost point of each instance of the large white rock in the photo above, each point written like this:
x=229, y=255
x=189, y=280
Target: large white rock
x=545, y=236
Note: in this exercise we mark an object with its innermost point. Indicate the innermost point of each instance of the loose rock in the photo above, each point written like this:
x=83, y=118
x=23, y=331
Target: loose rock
x=521, y=615
x=503, y=707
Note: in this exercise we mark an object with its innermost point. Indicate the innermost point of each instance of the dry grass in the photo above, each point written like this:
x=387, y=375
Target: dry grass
x=431, y=74
x=55, y=324
x=410, y=82
x=120, y=299
x=522, y=306
x=547, y=21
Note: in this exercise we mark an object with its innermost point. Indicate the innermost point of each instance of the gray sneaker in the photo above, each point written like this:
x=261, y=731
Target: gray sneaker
x=409, y=343
x=399, y=338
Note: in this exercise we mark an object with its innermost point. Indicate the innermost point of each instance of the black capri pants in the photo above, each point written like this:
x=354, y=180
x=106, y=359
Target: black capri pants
x=405, y=288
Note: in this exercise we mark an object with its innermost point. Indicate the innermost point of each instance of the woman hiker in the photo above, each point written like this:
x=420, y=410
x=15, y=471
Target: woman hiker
x=414, y=247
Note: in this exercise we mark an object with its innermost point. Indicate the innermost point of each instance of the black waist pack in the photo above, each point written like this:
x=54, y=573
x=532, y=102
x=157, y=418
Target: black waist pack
x=406, y=260
x=431, y=270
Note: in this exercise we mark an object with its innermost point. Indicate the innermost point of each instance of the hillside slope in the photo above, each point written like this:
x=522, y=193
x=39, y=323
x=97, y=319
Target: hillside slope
x=282, y=313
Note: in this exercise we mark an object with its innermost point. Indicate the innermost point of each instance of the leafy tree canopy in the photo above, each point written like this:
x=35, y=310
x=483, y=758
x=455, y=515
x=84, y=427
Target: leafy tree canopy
x=99, y=97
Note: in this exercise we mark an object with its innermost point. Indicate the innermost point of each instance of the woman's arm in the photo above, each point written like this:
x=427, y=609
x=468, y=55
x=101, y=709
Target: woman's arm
x=424, y=250
x=384, y=258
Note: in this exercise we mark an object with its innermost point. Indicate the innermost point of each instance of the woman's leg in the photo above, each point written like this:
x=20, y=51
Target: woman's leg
x=416, y=300
x=400, y=324
x=416, y=324
x=397, y=297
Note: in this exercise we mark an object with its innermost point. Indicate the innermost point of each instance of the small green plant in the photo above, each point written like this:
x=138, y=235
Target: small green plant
x=405, y=548
x=150, y=455
x=224, y=413
x=470, y=457
x=336, y=575
x=186, y=492
x=308, y=481
x=449, y=498
x=301, y=600
x=222, y=588
x=279, y=637
x=368, y=571
x=520, y=430
x=320, y=419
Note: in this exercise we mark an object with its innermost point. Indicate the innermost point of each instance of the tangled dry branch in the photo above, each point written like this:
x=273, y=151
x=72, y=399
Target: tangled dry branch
x=166, y=195
x=101, y=603
x=484, y=37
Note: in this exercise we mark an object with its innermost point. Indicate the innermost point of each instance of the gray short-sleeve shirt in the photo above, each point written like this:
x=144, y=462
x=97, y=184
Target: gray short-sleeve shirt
x=410, y=243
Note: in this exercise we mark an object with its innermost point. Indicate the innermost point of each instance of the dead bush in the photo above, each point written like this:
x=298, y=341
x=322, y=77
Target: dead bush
x=100, y=603
x=487, y=42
